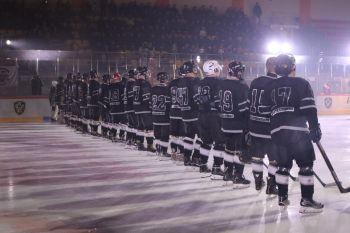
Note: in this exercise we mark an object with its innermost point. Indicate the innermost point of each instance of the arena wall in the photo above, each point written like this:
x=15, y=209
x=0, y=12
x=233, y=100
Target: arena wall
x=24, y=109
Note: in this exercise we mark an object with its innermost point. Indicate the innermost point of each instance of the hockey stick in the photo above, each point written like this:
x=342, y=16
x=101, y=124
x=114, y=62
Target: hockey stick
x=291, y=176
x=331, y=169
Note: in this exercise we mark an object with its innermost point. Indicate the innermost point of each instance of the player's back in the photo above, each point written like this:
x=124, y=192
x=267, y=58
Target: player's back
x=291, y=100
x=175, y=109
x=259, y=110
x=233, y=105
x=160, y=97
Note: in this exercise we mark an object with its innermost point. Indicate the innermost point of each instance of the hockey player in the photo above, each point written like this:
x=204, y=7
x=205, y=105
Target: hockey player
x=259, y=129
x=187, y=95
x=103, y=104
x=116, y=94
x=93, y=98
x=82, y=99
x=176, y=124
x=129, y=107
x=67, y=98
x=142, y=97
x=75, y=102
x=160, y=97
x=59, y=95
x=292, y=107
x=234, y=118
x=209, y=120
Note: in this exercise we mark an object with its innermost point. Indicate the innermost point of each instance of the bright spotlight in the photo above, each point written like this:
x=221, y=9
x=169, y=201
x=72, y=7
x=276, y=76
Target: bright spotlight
x=273, y=47
x=8, y=42
x=286, y=47
x=198, y=59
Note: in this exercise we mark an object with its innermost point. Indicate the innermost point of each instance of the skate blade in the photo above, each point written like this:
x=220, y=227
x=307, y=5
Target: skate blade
x=309, y=210
x=215, y=177
x=205, y=176
x=240, y=186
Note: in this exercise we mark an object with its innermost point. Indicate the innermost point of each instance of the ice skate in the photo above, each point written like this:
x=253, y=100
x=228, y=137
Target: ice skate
x=308, y=205
x=216, y=173
x=240, y=182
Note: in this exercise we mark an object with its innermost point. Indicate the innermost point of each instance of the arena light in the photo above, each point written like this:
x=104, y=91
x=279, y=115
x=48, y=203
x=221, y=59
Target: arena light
x=286, y=47
x=275, y=47
x=8, y=42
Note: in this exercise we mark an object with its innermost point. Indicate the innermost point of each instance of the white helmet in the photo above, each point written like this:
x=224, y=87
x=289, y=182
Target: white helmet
x=212, y=67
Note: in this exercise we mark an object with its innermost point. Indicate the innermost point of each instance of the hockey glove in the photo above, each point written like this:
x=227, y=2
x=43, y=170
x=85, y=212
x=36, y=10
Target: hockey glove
x=316, y=134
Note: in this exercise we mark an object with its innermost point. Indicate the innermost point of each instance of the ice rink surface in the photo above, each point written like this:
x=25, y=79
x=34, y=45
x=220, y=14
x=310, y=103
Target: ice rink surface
x=53, y=179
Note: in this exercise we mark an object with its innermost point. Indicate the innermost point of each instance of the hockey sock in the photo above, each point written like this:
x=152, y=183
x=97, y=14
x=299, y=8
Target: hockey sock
x=272, y=168
x=282, y=178
x=149, y=140
x=188, y=146
x=204, y=153
x=239, y=168
x=306, y=178
x=258, y=168
x=218, y=157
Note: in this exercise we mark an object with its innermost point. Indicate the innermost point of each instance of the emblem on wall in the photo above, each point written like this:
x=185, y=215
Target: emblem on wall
x=328, y=102
x=19, y=107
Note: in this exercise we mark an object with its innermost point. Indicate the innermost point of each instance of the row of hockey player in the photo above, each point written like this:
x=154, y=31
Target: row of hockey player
x=218, y=115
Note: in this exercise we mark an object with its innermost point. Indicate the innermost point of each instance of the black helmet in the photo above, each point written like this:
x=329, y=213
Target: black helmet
x=162, y=77
x=78, y=76
x=93, y=74
x=60, y=79
x=106, y=78
x=85, y=76
x=132, y=73
x=236, y=68
x=285, y=64
x=142, y=70
x=69, y=76
x=188, y=67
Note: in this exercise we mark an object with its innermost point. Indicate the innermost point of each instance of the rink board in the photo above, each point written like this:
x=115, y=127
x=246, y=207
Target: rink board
x=19, y=109
x=333, y=104
x=36, y=109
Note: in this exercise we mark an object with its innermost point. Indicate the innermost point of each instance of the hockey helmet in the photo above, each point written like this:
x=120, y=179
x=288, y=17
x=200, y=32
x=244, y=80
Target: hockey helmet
x=188, y=67
x=236, y=68
x=117, y=77
x=162, y=77
x=285, y=64
x=212, y=67
x=93, y=74
x=78, y=76
x=69, y=76
x=60, y=79
x=142, y=70
x=106, y=78
x=132, y=73
x=85, y=76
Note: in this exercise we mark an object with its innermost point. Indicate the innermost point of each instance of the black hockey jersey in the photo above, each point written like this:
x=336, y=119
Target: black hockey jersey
x=175, y=109
x=187, y=96
x=233, y=105
x=59, y=94
x=161, y=102
x=292, y=106
x=104, y=95
x=94, y=89
x=75, y=87
x=207, y=91
x=67, y=92
x=82, y=93
x=142, y=96
x=116, y=98
x=259, y=118
x=129, y=96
